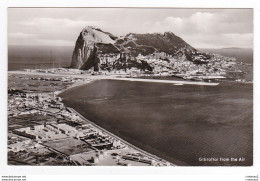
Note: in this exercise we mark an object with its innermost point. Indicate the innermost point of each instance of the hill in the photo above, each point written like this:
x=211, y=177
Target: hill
x=102, y=50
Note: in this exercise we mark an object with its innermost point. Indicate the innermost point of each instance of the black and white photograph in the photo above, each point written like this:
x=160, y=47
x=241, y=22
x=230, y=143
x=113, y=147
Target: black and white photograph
x=159, y=87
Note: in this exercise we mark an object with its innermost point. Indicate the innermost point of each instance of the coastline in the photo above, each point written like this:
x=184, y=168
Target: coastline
x=91, y=78
x=108, y=132
x=86, y=79
x=94, y=100
x=85, y=82
x=154, y=156
x=122, y=140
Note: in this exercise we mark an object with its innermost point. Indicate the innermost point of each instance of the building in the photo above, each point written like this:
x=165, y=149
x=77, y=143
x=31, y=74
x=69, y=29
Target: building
x=38, y=127
x=25, y=133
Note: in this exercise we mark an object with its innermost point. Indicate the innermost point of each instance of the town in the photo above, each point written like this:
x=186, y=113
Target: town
x=216, y=68
x=43, y=131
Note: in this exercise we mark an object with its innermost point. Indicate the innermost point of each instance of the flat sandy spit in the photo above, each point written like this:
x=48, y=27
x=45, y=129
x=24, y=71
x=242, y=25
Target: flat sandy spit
x=114, y=77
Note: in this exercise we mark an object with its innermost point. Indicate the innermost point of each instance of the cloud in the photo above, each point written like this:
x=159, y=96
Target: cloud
x=202, y=40
x=203, y=29
x=203, y=22
x=50, y=30
x=60, y=22
x=56, y=28
x=19, y=35
x=199, y=27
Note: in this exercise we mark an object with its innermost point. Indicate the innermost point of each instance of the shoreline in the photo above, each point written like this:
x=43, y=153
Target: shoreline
x=122, y=140
x=153, y=156
x=85, y=79
x=85, y=82
x=108, y=132
x=114, y=129
x=91, y=78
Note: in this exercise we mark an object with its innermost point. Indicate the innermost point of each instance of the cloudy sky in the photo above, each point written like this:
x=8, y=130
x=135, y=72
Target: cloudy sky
x=201, y=28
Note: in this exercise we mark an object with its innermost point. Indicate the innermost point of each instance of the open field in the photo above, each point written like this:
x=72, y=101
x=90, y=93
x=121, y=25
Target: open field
x=29, y=120
x=68, y=146
x=30, y=82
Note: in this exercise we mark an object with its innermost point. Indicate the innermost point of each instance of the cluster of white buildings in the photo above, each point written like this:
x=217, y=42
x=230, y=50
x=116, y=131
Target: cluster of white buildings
x=31, y=103
x=170, y=65
x=23, y=146
x=53, y=131
x=57, y=71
